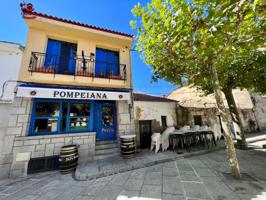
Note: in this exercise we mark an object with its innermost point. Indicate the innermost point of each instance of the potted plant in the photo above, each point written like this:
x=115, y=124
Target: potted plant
x=101, y=74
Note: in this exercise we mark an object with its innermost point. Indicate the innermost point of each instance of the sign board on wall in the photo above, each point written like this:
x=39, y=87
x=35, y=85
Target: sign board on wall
x=58, y=93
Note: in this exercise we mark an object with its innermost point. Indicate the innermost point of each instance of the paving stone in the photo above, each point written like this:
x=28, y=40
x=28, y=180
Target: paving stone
x=109, y=193
x=189, y=176
x=18, y=186
x=128, y=195
x=84, y=198
x=204, y=172
x=196, y=190
x=173, y=197
x=69, y=193
x=197, y=164
x=30, y=197
x=155, y=168
x=150, y=192
x=134, y=184
x=139, y=173
x=219, y=190
x=172, y=185
x=2, y=196
x=153, y=178
x=3, y=188
x=94, y=189
x=171, y=164
x=170, y=171
x=119, y=179
x=54, y=192
x=246, y=187
x=184, y=167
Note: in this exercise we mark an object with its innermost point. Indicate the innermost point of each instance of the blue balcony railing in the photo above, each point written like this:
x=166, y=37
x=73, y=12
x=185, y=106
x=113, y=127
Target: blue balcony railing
x=76, y=66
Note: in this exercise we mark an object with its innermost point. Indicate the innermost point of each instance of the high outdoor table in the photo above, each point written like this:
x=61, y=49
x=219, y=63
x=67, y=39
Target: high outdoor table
x=189, y=139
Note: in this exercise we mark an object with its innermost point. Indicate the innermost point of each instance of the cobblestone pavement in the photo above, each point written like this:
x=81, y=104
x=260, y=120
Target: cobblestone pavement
x=199, y=177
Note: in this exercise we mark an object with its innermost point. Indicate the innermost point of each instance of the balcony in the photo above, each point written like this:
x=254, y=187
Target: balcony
x=76, y=66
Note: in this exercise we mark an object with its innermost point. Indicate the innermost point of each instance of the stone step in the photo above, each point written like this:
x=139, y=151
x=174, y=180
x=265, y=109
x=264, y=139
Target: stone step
x=106, y=151
x=106, y=146
x=105, y=142
x=106, y=155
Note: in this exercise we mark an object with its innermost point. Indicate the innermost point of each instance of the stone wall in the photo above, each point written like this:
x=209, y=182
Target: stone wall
x=16, y=148
x=125, y=118
x=259, y=103
x=185, y=116
x=15, y=123
x=27, y=147
x=247, y=116
x=6, y=142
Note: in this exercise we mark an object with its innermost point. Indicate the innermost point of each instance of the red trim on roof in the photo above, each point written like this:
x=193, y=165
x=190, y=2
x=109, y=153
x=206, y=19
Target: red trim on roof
x=26, y=14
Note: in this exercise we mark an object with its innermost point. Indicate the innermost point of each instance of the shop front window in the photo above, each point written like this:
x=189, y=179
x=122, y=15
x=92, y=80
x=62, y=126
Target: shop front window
x=79, y=116
x=60, y=116
x=46, y=117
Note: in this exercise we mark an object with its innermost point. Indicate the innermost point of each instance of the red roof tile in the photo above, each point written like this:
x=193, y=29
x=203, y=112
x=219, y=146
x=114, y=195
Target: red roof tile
x=30, y=12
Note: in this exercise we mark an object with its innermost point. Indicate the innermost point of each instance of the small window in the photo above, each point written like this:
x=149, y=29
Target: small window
x=198, y=120
x=164, y=121
x=46, y=117
x=107, y=116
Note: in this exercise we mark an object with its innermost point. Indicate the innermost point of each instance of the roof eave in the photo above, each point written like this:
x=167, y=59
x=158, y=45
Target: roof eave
x=34, y=15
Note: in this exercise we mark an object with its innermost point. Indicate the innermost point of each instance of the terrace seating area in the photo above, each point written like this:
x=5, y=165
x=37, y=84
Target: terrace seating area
x=185, y=139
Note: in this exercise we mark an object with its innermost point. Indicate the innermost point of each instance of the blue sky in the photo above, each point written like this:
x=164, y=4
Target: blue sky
x=112, y=14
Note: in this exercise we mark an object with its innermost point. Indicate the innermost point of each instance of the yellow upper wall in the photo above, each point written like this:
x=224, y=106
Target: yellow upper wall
x=40, y=29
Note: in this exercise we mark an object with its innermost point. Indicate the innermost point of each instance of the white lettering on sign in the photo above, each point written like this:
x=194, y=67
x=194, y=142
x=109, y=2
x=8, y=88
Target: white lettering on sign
x=54, y=93
x=82, y=95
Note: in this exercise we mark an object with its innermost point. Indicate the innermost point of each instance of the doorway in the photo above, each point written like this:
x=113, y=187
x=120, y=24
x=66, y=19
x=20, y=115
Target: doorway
x=105, y=120
x=145, y=133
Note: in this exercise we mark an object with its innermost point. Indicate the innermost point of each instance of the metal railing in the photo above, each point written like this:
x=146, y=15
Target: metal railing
x=76, y=66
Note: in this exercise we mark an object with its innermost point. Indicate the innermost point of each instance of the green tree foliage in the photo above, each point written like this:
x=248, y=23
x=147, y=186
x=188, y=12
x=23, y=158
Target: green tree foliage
x=203, y=40
x=180, y=38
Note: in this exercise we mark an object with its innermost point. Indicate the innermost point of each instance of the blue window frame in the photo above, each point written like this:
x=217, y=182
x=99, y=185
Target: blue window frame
x=107, y=63
x=60, y=56
x=61, y=116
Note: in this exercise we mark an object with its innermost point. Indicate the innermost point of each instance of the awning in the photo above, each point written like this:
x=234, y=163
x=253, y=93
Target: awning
x=59, y=93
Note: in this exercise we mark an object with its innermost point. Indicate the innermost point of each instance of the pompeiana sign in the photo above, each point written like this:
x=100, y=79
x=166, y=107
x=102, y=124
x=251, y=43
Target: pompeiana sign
x=54, y=93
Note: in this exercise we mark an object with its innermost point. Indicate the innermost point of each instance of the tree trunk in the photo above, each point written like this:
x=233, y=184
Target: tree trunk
x=231, y=152
x=235, y=115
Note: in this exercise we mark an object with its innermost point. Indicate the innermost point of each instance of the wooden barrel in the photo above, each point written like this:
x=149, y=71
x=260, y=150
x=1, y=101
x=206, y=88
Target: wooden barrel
x=68, y=159
x=128, y=146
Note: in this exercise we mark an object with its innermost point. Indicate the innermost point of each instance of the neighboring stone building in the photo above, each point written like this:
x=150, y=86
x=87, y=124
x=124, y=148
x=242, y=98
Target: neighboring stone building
x=196, y=108
x=260, y=111
x=10, y=59
x=152, y=114
x=74, y=88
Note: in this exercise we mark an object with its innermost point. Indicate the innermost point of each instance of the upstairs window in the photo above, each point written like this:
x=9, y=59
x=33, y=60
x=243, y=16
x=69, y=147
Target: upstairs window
x=107, y=63
x=60, y=56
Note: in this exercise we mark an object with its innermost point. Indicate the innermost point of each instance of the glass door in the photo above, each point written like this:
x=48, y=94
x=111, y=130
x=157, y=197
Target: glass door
x=105, y=121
